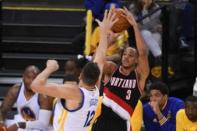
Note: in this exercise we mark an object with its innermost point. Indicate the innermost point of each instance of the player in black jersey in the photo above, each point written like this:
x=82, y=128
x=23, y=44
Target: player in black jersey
x=123, y=85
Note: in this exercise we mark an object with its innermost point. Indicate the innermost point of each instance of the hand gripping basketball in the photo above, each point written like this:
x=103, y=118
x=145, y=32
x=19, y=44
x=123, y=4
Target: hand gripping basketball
x=122, y=23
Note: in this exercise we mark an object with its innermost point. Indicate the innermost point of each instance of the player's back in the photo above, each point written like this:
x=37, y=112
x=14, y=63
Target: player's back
x=78, y=119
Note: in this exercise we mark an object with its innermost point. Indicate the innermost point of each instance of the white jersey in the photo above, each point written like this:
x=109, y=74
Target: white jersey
x=27, y=109
x=78, y=119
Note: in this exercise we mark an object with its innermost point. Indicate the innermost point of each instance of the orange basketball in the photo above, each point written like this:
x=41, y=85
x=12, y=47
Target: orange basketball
x=122, y=23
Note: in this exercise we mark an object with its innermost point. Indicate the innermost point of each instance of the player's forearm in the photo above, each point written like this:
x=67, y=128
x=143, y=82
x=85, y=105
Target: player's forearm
x=140, y=42
x=1, y=117
x=103, y=43
x=43, y=121
x=41, y=124
x=41, y=80
x=102, y=47
x=143, y=66
x=16, y=126
x=8, y=103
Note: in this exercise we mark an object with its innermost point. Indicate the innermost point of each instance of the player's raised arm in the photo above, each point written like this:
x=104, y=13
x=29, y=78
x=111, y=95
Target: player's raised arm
x=105, y=26
x=40, y=85
x=143, y=66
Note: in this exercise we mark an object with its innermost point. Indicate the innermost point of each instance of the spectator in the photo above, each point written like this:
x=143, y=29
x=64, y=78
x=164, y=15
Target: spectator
x=99, y=6
x=186, y=119
x=160, y=113
x=186, y=20
x=150, y=26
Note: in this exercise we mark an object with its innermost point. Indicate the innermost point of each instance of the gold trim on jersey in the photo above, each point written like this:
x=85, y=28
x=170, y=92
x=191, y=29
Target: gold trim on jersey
x=62, y=119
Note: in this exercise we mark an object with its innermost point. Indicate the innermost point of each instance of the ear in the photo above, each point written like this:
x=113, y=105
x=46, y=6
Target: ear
x=166, y=96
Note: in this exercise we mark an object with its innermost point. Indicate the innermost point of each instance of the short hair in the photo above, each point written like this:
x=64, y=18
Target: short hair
x=122, y=52
x=32, y=68
x=191, y=99
x=161, y=86
x=90, y=73
x=70, y=77
x=76, y=62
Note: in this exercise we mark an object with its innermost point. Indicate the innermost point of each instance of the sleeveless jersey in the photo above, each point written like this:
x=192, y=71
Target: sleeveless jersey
x=121, y=94
x=78, y=119
x=28, y=109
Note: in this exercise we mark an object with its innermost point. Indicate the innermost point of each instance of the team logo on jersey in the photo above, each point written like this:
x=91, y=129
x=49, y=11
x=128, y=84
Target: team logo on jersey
x=123, y=83
x=155, y=120
x=28, y=114
x=93, y=102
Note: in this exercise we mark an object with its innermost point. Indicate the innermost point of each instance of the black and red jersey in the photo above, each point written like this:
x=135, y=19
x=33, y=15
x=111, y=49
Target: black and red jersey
x=122, y=93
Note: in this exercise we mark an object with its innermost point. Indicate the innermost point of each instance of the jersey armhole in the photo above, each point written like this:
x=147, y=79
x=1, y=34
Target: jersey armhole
x=19, y=91
x=78, y=108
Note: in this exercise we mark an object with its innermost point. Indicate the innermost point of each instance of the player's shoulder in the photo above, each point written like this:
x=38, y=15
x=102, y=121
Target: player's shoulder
x=181, y=113
x=175, y=100
x=146, y=106
x=15, y=88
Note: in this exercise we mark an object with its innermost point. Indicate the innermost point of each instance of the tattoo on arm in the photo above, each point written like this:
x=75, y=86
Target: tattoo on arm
x=9, y=100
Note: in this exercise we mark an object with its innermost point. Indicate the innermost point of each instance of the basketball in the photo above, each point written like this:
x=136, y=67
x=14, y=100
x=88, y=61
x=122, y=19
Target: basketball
x=122, y=23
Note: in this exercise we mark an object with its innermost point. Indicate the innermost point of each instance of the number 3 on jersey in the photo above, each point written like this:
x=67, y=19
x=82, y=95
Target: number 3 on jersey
x=128, y=96
x=89, y=118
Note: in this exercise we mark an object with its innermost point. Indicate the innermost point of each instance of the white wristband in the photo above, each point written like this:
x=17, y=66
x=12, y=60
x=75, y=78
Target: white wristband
x=17, y=124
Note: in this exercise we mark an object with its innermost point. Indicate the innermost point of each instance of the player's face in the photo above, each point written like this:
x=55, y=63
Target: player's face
x=191, y=110
x=157, y=96
x=129, y=57
x=28, y=77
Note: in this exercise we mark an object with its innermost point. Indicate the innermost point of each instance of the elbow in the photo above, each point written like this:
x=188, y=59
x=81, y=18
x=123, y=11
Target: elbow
x=35, y=86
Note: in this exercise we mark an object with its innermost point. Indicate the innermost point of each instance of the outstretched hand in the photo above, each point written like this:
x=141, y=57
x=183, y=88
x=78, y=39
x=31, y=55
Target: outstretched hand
x=129, y=16
x=108, y=21
x=52, y=65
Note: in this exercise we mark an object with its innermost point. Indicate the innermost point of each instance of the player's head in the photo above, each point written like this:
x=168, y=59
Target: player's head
x=129, y=57
x=191, y=108
x=72, y=67
x=90, y=74
x=29, y=75
x=70, y=78
x=159, y=93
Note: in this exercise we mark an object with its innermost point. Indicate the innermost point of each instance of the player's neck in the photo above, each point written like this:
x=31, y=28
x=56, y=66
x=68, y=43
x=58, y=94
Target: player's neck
x=28, y=94
x=83, y=85
x=126, y=71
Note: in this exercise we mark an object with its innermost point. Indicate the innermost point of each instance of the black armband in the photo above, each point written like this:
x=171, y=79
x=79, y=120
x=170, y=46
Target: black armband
x=21, y=125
